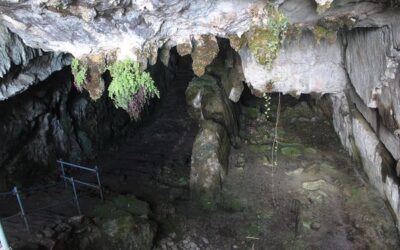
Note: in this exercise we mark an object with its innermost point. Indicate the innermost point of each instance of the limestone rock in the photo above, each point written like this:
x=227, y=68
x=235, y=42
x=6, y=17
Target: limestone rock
x=373, y=69
x=228, y=67
x=313, y=185
x=184, y=47
x=209, y=160
x=301, y=66
x=207, y=101
x=205, y=50
x=323, y=5
x=377, y=162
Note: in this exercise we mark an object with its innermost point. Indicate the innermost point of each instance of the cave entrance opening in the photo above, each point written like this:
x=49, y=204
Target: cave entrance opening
x=153, y=161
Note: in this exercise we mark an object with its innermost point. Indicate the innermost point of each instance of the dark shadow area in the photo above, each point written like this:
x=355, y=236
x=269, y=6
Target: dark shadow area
x=153, y=161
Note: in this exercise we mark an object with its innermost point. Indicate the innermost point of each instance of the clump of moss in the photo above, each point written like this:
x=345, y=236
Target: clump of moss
x=323, y=8
x=294, y=30
x=131, y=88
x=338, y=22
x=79, y=70
x=230, y=203
x=265, y=43
x=321, y=32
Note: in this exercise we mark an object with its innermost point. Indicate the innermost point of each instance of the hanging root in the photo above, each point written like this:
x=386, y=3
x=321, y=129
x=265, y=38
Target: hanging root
x=274, y=151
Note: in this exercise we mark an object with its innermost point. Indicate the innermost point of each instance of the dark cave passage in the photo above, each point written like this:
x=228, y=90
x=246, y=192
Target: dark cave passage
x=153, y=162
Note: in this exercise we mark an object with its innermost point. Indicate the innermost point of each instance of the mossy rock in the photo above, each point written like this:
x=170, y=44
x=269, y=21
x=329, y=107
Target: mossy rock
x=311, y=151
x=260, y=148
x=127, y=232
x=292, y=152
x=207, y=203
x=108, y=210
x=265, y=43
x=121, y=206
x=132, y=205
x=230, y=203
x=251, y=112
x=321, y=32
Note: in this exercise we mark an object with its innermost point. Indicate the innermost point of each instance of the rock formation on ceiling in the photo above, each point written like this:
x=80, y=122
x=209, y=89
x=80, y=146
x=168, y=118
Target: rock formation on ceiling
x=348, y=50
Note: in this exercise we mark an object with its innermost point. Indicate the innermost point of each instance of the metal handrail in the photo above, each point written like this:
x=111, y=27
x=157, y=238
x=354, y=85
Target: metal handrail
x=76, y=166
x=94, y=170
x=66, y=179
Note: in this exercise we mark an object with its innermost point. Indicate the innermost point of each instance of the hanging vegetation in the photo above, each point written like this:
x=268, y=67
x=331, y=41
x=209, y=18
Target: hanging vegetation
x=131, y=88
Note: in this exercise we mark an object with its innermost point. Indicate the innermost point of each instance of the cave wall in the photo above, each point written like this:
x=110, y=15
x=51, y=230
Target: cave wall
x=365, y=114
x=52, y=120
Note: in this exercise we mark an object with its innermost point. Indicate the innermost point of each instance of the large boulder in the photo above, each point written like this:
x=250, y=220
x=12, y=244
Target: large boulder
x=124, y=224
x=209, y=161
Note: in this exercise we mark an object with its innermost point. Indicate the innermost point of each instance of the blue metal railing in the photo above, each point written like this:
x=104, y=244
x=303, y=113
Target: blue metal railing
x=73, y=181
x=66, y=179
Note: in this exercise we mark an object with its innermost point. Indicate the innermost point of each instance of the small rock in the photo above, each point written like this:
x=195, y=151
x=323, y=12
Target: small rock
x=172, y=235
x=205, y=240
x=291, y=151
x=48, y=232
x=39, y=235
x=235, y=247
x=310, y=150
x=295, y=172
x=303, y=119
x=313, y=185
x=76, y=220
x=241, y=160
x=315, y=226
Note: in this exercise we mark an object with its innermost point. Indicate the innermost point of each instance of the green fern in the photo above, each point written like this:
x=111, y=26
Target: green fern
x=128, y=81
x=79, y=71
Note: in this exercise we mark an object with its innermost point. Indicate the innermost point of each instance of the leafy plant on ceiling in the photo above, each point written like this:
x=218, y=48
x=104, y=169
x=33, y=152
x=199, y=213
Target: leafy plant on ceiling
x=131, y=88
x=79, y=70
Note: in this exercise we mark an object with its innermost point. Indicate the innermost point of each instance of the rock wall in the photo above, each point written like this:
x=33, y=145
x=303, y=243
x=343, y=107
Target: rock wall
x=22, y=66
x=50, y=121
x=365, y=114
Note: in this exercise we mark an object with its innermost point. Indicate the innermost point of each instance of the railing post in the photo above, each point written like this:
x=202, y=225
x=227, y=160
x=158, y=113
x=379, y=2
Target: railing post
x=75, y=195
x=98, y=181
x=21, y=207
x=62, y=171
x=3, y=239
